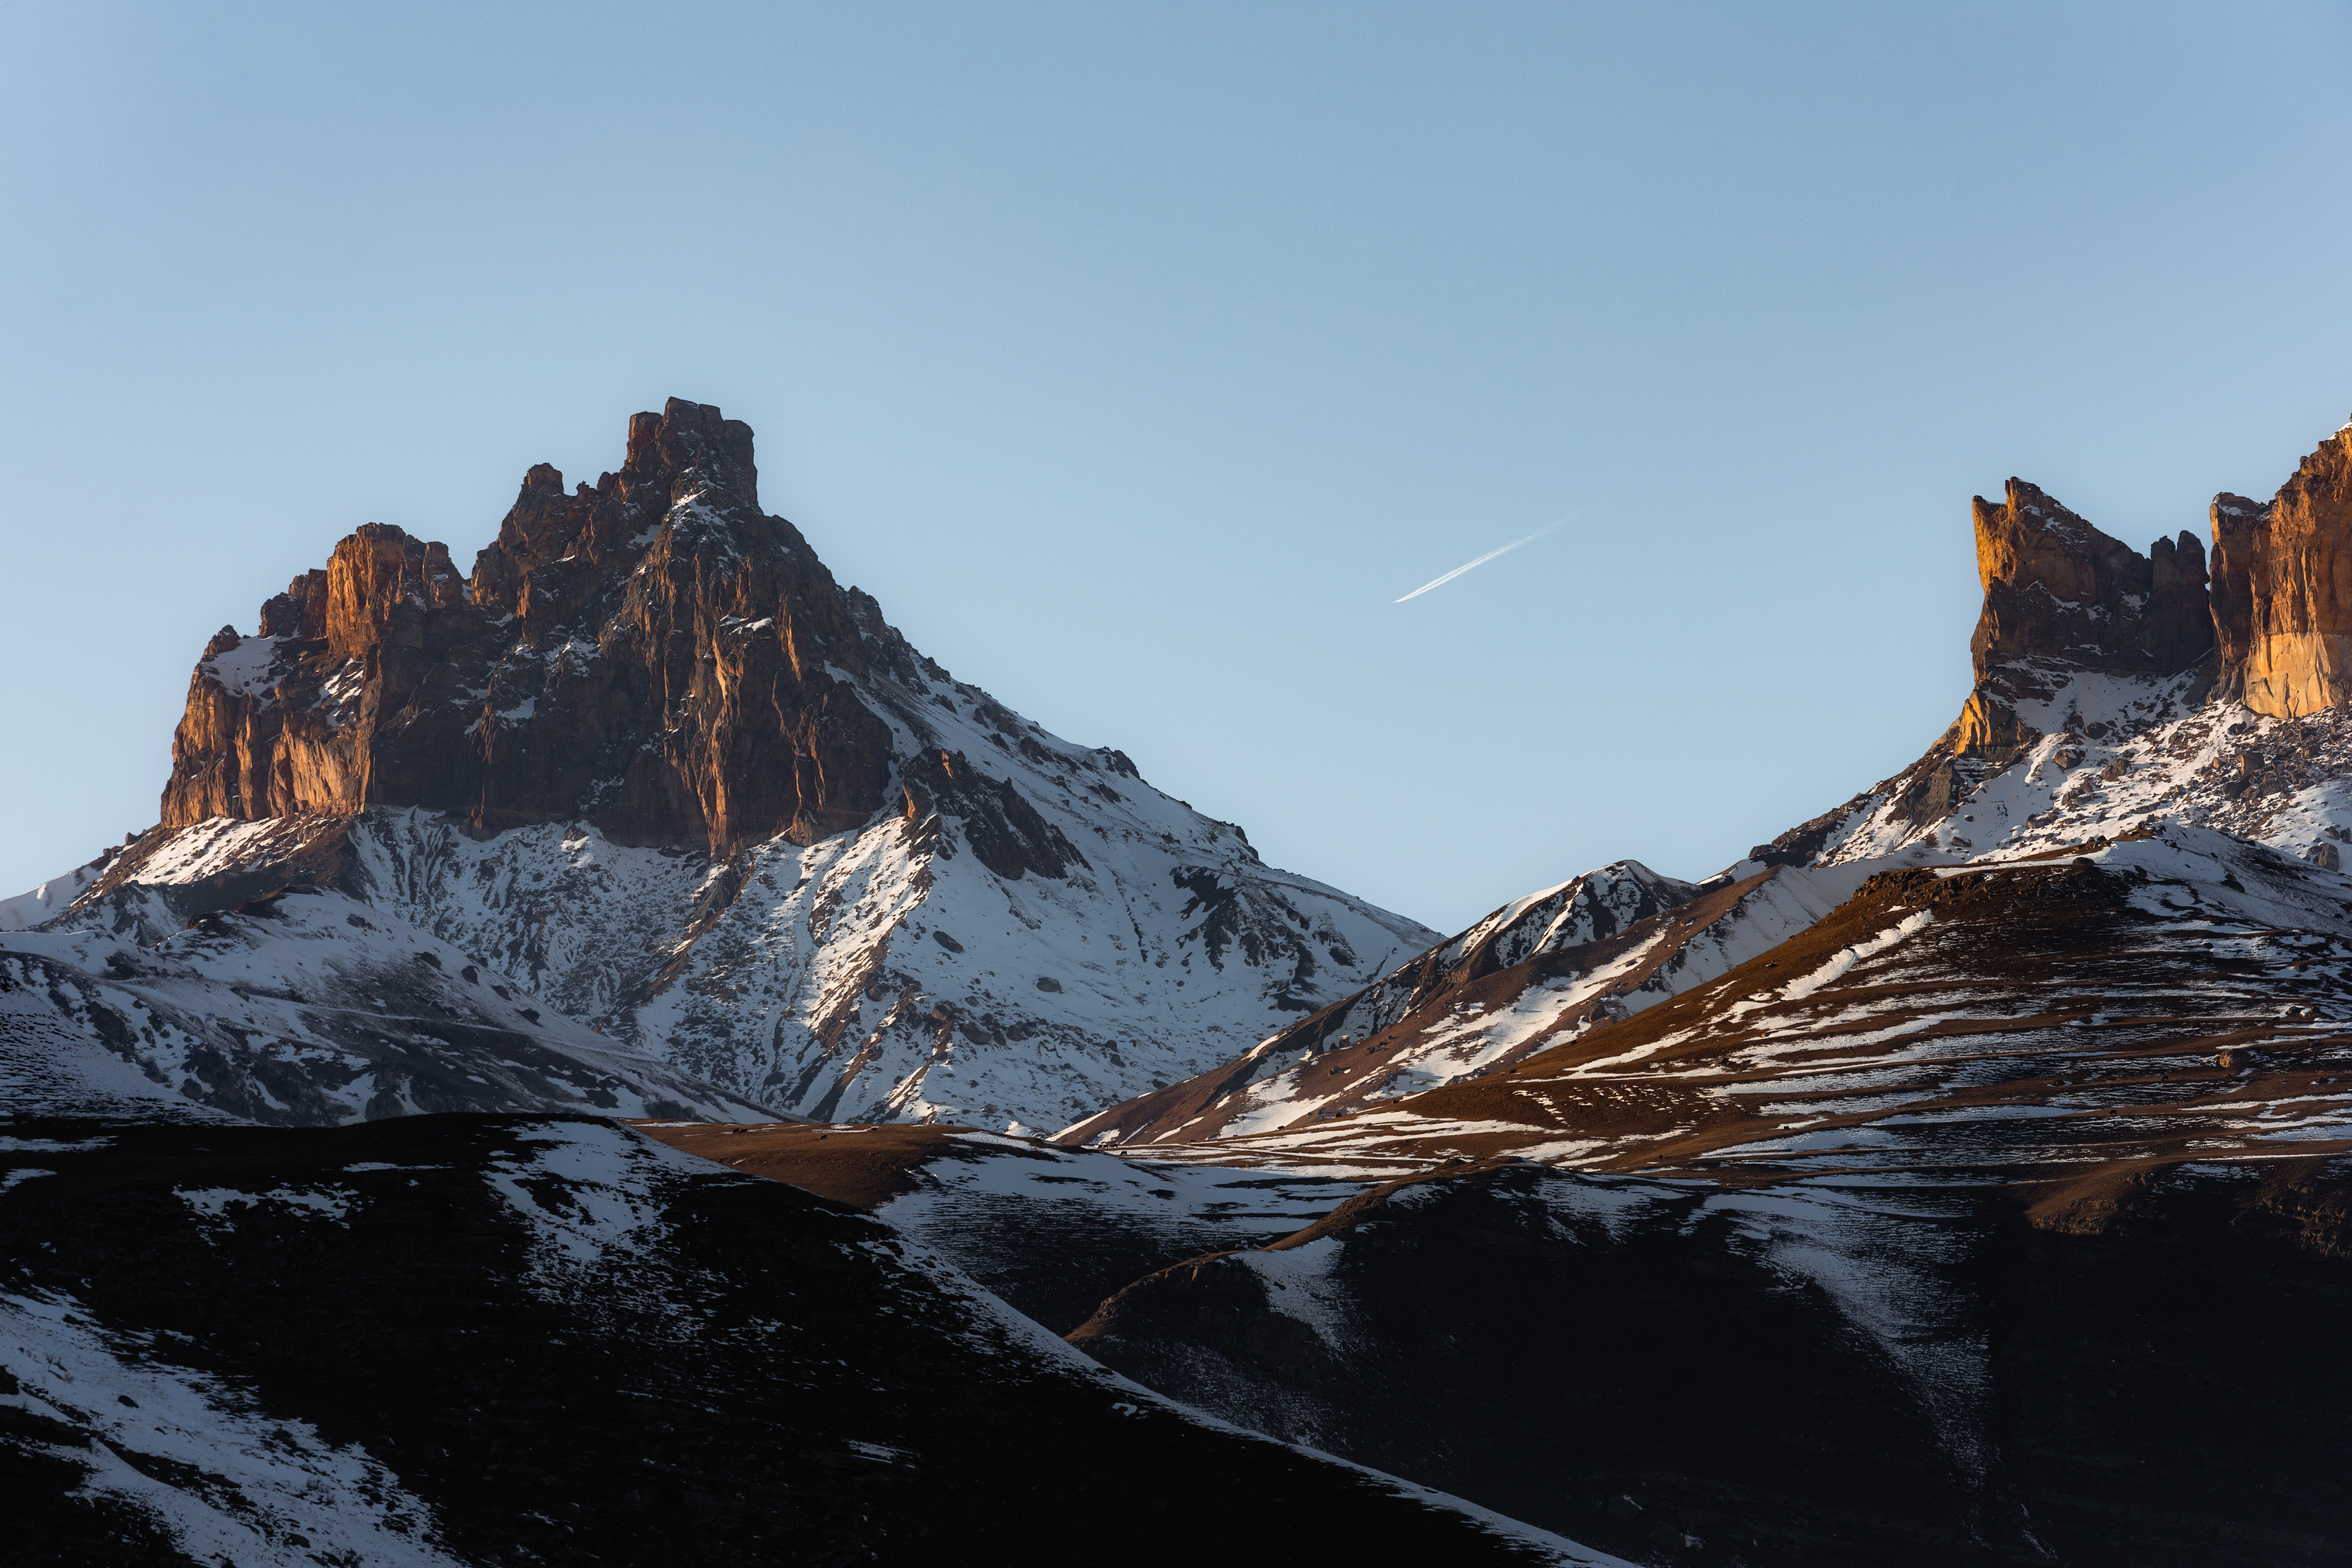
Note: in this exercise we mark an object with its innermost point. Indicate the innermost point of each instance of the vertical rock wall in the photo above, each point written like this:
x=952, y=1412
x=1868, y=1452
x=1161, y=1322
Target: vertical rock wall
x=2283, y=597
x=650, y=653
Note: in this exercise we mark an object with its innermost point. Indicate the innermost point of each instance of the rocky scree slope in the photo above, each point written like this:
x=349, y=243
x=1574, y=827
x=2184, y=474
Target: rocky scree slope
x=651, y=768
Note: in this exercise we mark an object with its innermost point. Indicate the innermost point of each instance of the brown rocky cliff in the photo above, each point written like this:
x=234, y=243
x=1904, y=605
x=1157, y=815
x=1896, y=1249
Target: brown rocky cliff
x=2061, y=599
x=2283, y=588
x=2234, y=520
x=2055, y=587
x=650, y=654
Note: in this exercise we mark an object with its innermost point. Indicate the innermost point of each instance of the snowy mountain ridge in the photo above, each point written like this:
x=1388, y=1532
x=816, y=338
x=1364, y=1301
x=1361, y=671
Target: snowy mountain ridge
x=2113, y=694
x=935, y=910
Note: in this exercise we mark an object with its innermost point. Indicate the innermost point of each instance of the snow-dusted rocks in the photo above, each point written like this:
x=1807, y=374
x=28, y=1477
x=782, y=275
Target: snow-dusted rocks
x=302, y=1008
x=655, y=773
x=1550, y=966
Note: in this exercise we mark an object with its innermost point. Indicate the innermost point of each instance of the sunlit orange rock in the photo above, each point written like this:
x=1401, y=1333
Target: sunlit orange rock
x=651, y=654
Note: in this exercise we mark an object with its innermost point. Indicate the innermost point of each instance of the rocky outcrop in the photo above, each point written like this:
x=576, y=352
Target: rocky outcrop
x=2062, y=598
x=2055, y=587
x=1005, y=832
x=651, y=654
x=2283, y=588
x=656, y=768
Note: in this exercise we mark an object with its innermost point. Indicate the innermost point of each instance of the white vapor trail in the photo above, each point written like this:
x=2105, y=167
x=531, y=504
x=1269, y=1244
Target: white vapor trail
x=1505, y=549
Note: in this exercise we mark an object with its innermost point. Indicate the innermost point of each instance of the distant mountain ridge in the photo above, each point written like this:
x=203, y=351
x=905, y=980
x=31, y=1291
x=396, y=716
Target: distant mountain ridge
x=2112, y=690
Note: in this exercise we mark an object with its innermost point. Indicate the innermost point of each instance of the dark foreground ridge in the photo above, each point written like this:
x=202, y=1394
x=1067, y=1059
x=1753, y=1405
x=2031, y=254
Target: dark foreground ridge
x=1690, y=1377
x=489, y=1340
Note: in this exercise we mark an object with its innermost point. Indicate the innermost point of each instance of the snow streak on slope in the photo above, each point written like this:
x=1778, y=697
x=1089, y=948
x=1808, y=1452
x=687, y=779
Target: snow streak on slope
x=224, y=1478
x=2175, y=994
x=305, y=1008
x=1548, y=967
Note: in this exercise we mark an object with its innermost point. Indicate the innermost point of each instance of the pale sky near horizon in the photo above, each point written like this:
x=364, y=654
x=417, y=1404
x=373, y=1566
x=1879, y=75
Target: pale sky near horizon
x=1138, y=358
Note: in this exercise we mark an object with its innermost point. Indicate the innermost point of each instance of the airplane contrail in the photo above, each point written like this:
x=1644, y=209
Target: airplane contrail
x=1505, y=549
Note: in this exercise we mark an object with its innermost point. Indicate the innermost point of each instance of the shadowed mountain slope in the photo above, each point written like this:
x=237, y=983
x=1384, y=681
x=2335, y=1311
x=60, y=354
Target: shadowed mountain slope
x=550, y=1340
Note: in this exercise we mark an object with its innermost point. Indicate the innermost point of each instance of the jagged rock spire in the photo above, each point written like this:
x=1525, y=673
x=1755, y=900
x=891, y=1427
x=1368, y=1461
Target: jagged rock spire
x=650, y=653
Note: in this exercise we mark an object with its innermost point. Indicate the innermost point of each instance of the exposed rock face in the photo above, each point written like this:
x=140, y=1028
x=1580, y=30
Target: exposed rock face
x=651, y=654
x=2056, y=587
x=657, y=770
x=2282, y=602
x=2061, y=599
x=2235, y=521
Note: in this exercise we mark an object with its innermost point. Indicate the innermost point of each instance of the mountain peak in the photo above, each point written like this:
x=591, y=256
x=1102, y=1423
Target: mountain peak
x=698, y=794
x=2057, y=588
x=653, y=655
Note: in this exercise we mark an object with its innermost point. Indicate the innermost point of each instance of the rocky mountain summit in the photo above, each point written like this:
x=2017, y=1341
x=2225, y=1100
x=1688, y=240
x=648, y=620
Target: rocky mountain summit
x=2114, y=691
x=651, y=655
x=659, y=779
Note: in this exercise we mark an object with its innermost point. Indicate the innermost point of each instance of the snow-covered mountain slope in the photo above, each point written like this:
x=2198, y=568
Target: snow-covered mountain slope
x=2173, y=995
x=2113, y=752
x=1546, y=967
x=482, y=1340
x=885, y=974
x=820, y=873
x=51, y=898
x=303, y=1007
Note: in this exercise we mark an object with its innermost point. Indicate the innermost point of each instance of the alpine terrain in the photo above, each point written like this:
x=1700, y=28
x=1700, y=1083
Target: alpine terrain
x=650, y=790
x=617, y=1058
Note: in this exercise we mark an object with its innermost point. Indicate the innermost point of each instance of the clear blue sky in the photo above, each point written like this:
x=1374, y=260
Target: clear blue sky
x=1137, y=357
